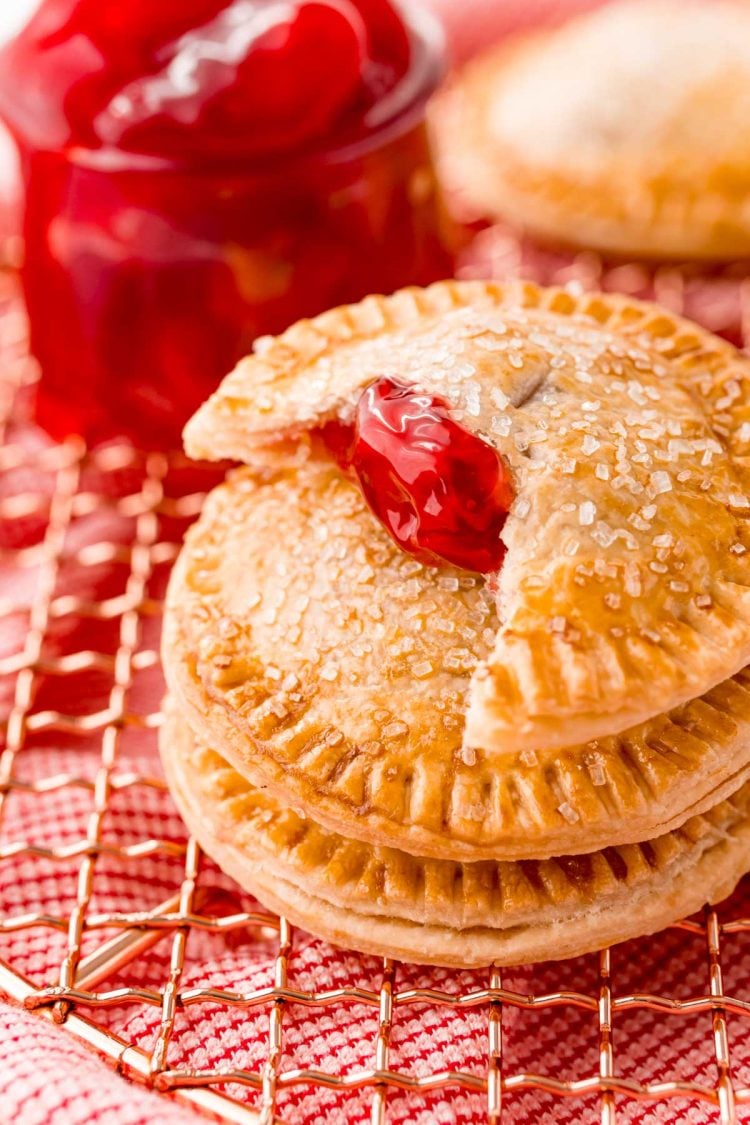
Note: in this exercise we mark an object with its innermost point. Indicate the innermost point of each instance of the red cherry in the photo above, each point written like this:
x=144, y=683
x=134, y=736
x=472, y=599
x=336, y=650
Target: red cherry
x=440, y=491
x=296, y=69
x=298, y=77
x=74, y=56
x=202, y=77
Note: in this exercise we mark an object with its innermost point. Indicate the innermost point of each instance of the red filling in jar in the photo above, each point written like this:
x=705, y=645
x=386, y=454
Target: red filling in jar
x=441, y=492
x=203, y=172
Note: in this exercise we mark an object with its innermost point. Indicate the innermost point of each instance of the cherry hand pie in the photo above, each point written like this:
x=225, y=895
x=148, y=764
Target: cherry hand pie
x=623, y=135
x=457, y=657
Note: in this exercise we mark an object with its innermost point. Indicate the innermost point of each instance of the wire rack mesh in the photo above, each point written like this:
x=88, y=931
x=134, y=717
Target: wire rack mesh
x=86, y=542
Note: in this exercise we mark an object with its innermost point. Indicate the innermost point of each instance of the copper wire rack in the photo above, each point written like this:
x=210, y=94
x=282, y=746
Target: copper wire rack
x=45, y=490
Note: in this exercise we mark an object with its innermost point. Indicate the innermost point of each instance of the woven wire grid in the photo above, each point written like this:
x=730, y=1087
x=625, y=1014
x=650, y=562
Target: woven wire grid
x=44, y=492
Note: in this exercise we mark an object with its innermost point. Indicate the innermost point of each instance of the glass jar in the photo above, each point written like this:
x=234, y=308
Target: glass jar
x=147, y=278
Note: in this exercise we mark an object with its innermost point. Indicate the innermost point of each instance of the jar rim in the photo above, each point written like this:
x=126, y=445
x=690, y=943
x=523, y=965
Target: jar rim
x=399, y=111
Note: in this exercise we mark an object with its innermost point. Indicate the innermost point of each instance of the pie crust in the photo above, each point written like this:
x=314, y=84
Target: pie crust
x=598, y=696
x=623, y=131
x=352, y=707
x=381, y=901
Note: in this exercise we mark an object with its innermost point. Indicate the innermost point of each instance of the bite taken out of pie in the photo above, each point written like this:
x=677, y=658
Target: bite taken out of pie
x=477, y=599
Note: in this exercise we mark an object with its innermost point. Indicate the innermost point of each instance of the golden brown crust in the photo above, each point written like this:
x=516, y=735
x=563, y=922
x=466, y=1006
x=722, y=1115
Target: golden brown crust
x=382, y=901
x=624, y=131
x=626, y=585
x=334, y=669
x=315, y=370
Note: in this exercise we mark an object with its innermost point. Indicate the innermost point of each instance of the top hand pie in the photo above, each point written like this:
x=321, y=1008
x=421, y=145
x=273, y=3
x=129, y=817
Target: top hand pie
x=333, y=650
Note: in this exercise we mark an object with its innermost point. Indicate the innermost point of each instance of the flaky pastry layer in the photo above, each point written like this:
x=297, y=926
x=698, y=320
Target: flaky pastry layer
x=382, y=901
x=625, y=590
x=332, y=668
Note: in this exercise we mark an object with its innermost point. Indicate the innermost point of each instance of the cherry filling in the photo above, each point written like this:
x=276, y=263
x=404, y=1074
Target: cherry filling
x=202, y=77
x=441, y=492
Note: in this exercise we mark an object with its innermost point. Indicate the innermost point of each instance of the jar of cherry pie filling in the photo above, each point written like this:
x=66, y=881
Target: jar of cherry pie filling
x=204, y=172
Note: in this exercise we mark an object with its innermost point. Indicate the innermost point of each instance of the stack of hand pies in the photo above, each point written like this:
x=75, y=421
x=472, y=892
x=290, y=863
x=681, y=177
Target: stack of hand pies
x=412, y=757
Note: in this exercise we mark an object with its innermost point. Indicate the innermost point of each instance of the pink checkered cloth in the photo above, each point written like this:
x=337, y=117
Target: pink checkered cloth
x=48, y=1077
